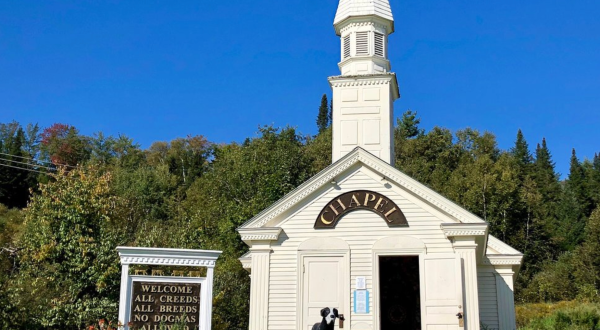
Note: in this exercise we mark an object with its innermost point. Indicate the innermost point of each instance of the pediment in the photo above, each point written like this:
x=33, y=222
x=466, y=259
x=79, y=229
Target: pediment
x=359, y=160
x=345, y=167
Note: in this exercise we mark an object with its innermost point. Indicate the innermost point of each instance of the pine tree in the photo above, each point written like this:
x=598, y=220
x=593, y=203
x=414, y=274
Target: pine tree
x=408, y=125
x=545, y=175
x=547, y=182
x=521, y=153
x=578, y=184
x=593, y=174
x=14, y=189
x=572, y=209
x=331, y=112
x=323, y=119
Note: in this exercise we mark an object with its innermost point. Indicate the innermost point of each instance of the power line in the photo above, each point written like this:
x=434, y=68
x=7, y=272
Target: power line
x=39, y=161
x=24, y=169
x=28, y=164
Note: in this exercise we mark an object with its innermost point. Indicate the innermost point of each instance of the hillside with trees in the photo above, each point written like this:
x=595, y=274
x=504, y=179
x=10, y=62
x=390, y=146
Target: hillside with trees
x=67, y=200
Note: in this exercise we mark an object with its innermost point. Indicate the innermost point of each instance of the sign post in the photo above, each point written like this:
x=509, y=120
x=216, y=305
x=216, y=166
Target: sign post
x=149, y=301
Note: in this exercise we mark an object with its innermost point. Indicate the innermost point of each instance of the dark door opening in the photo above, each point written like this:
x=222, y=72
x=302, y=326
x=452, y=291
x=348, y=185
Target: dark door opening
x=400, y=294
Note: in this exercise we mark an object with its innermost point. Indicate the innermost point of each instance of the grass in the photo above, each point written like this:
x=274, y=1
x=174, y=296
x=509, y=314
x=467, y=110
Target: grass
x=571, y=315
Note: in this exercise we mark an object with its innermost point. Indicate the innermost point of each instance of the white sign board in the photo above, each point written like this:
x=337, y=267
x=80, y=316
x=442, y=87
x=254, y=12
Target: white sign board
x=361, y=283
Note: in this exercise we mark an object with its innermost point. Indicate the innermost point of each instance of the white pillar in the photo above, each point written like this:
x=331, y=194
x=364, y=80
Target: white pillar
x=505, y=296
x=259, y=288
x=208, y=287
x=467, y=248
x=124, y=294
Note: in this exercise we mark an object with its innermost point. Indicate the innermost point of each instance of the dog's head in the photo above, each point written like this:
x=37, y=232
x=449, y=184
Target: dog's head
x=329, y=314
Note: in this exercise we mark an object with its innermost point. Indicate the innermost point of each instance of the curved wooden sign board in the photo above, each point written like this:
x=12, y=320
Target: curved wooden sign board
x=360, y=200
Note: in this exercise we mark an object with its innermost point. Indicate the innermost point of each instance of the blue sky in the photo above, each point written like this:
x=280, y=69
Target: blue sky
x=157, y=70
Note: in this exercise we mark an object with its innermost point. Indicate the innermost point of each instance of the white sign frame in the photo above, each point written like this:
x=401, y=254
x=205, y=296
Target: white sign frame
x=168, y=257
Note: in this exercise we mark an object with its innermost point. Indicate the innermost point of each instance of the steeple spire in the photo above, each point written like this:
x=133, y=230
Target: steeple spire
x=364, y=93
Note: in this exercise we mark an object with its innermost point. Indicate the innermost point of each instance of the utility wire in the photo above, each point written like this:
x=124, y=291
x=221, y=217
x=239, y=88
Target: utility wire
x=28, y=164
x=24, y=169
x=39, y=161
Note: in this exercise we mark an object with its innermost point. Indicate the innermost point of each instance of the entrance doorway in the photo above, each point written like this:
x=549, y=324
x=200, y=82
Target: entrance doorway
x=399, y=291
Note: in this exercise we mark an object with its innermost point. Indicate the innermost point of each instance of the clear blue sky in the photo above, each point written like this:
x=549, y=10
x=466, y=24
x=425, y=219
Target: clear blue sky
x=157, y=70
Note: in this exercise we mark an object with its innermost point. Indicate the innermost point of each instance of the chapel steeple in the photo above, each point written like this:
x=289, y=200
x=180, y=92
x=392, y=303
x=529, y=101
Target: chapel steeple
x=364, y=93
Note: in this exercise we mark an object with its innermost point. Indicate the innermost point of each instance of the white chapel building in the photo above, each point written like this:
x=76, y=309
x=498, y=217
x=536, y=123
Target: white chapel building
x=385, y=250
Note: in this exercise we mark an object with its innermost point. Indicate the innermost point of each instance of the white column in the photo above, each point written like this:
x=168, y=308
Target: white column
x=505, y=296
x=208, y=287
x=466, y=248
x=259, y=288
x=124, y=294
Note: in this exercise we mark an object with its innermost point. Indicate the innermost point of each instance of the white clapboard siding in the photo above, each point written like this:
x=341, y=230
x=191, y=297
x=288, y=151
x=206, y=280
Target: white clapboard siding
x=360, y=229
x=488, y=303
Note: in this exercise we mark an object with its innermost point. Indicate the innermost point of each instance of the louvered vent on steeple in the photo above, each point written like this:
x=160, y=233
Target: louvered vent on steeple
x=379, y=48
x=362, y=43
x=346, y=47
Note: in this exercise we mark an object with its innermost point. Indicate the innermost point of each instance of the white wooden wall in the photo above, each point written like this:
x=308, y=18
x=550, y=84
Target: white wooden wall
x=360, y=229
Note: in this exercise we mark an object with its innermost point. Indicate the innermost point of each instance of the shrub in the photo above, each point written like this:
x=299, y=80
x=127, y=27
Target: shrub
x=562, y=316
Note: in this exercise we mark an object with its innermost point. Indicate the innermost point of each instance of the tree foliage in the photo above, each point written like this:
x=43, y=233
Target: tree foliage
x=59, y=269
x=324, y=116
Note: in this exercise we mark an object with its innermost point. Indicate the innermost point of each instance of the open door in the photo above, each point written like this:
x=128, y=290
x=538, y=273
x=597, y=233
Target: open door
x=441, y=291
x=323, y=286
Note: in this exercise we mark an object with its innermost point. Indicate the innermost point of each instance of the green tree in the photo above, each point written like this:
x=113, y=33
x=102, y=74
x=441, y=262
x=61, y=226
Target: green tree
x=324, y=117
x=408, y=126
x=573, y=206
x=69, y=270
x=578, y=184
x=14, y=179
x=11, y=221
x=242, y=180
x=521, y=153
x=475, y=177
x=547, y=182
x=428, y=157
x=318, y=150
x=63, y=145
x=587, y=260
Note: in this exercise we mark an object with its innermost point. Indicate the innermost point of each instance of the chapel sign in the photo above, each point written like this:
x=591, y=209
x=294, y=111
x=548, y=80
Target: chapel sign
x=360, y=200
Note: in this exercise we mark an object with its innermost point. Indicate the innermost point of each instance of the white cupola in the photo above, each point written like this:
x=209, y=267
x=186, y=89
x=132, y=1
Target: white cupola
x=364, y=93
x=364, y=26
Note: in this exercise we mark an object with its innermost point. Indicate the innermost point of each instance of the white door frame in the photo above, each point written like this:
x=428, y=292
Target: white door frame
x=396, y=246
x=314, y=250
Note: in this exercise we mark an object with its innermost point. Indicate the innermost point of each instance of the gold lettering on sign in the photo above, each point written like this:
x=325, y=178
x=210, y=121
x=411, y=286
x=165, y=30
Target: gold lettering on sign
x=375, y=202
x=381, y=203
x=167, y=303
x=325, y=221
x=335, y=209
x=354, y=201
x=387, y=215
x=367, y=199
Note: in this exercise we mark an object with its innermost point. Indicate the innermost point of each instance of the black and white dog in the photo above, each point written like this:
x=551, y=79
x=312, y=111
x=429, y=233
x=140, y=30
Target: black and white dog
x=329, y=315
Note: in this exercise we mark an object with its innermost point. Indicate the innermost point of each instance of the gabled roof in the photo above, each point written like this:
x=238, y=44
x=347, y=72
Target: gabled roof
x=392, y=175
x=360, y=155
x=349, y=8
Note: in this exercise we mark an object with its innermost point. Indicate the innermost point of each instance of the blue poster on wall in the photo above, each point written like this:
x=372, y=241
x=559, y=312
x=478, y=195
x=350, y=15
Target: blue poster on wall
x=361, y=302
